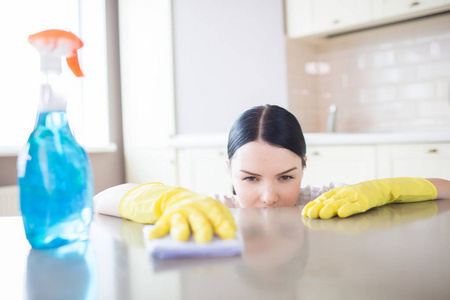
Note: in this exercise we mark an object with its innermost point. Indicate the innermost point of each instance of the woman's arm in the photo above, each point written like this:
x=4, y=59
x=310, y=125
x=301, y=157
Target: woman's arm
x=107, y=202
x=442, y=186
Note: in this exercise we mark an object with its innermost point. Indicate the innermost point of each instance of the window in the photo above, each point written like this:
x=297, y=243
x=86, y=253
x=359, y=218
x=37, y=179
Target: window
x=20, y=76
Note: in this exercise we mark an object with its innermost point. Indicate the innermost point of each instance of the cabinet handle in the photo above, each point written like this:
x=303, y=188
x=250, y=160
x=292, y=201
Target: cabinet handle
x=414, y=4
x=337, y=21
x=431, y=150
x=315, y=153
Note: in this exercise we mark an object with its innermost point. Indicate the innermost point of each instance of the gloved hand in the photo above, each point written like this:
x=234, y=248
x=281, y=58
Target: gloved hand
x=352, y=199
x=177, y=210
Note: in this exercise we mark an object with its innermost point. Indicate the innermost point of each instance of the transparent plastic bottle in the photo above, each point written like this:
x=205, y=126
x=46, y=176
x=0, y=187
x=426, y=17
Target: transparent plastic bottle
x=55, y=181
x=53, y=171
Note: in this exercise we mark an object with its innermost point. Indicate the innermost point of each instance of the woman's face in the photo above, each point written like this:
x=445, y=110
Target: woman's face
x=264, y=175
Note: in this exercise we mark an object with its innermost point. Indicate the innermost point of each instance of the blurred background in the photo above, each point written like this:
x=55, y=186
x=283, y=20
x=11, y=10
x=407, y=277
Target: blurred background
x=369, y=81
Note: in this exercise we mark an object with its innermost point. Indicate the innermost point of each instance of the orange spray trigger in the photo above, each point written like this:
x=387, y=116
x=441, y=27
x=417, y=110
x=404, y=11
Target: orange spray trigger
x=74, y=65
x=57, y=43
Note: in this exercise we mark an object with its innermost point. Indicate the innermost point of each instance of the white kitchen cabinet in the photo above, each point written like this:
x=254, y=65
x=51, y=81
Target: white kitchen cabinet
x=306, y=17
x=329, y=15
x=299, y=18
x=204, y=170
x=319, y=18
x=421, y=160
x=345, y=164
x=355, y=163
x=390, y=8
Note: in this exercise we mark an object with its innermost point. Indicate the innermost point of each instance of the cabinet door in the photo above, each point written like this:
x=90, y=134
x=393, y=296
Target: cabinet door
x=306, y=17
x=345, y=164
x=421, y=160
x=390, y=8
x=311, y=17
x=329, y=15
x=299, y=18
x=204, y=170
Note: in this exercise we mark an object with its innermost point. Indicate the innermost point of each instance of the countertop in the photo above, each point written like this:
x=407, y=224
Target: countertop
x=440, y=136
x=399, y=251
x=316, y=139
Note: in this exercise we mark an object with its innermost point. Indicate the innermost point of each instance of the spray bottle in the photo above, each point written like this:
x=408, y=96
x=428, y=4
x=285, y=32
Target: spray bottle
x=54, y=172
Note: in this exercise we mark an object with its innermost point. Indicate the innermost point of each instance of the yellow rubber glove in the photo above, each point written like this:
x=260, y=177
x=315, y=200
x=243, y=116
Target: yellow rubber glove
x=177, y=210
x=352, y=199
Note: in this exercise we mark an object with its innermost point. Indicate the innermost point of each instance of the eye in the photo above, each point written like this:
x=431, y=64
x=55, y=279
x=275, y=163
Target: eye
x=286, y=178
x=250, y=179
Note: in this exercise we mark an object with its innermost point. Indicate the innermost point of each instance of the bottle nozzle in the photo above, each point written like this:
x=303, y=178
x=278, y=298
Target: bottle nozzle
x=52, y=45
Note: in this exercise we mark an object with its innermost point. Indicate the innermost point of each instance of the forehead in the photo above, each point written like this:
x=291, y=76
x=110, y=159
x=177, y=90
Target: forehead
x=258, y=155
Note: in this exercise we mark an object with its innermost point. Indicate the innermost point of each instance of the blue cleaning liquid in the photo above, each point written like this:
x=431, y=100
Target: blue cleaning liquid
x=56, y=184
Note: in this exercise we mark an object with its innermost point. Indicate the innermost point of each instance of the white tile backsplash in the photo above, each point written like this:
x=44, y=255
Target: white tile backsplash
x=397, y=74
x=417, y=91
x=413, y=54
x=443, y=90
x=383, y=59
x=433, y=109
x=387, y=79
x=385, y=93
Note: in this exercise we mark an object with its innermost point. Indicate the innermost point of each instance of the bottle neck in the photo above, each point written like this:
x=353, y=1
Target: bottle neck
x=51, y=97
x=53, y=119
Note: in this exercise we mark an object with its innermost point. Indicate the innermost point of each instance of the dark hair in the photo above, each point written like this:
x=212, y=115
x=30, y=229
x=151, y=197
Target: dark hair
x=271, y=124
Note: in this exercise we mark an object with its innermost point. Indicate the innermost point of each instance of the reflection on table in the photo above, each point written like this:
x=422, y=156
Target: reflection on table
x=67, y=272
x=392, y=252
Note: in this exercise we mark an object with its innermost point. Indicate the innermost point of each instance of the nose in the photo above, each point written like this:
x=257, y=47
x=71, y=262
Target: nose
x=269, y=195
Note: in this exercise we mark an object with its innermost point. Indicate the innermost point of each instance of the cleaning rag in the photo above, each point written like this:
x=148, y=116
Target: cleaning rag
x=166, y=247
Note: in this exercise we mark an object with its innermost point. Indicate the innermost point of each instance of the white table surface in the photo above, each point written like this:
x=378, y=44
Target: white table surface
x=395, y=252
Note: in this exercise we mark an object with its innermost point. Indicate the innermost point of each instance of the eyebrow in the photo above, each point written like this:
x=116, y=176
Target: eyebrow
x=284, y=172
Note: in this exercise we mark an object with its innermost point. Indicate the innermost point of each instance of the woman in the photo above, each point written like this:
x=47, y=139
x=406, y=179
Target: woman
x=266, y=158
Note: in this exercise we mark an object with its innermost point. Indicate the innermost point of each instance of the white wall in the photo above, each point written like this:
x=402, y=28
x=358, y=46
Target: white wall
x=228, y=56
